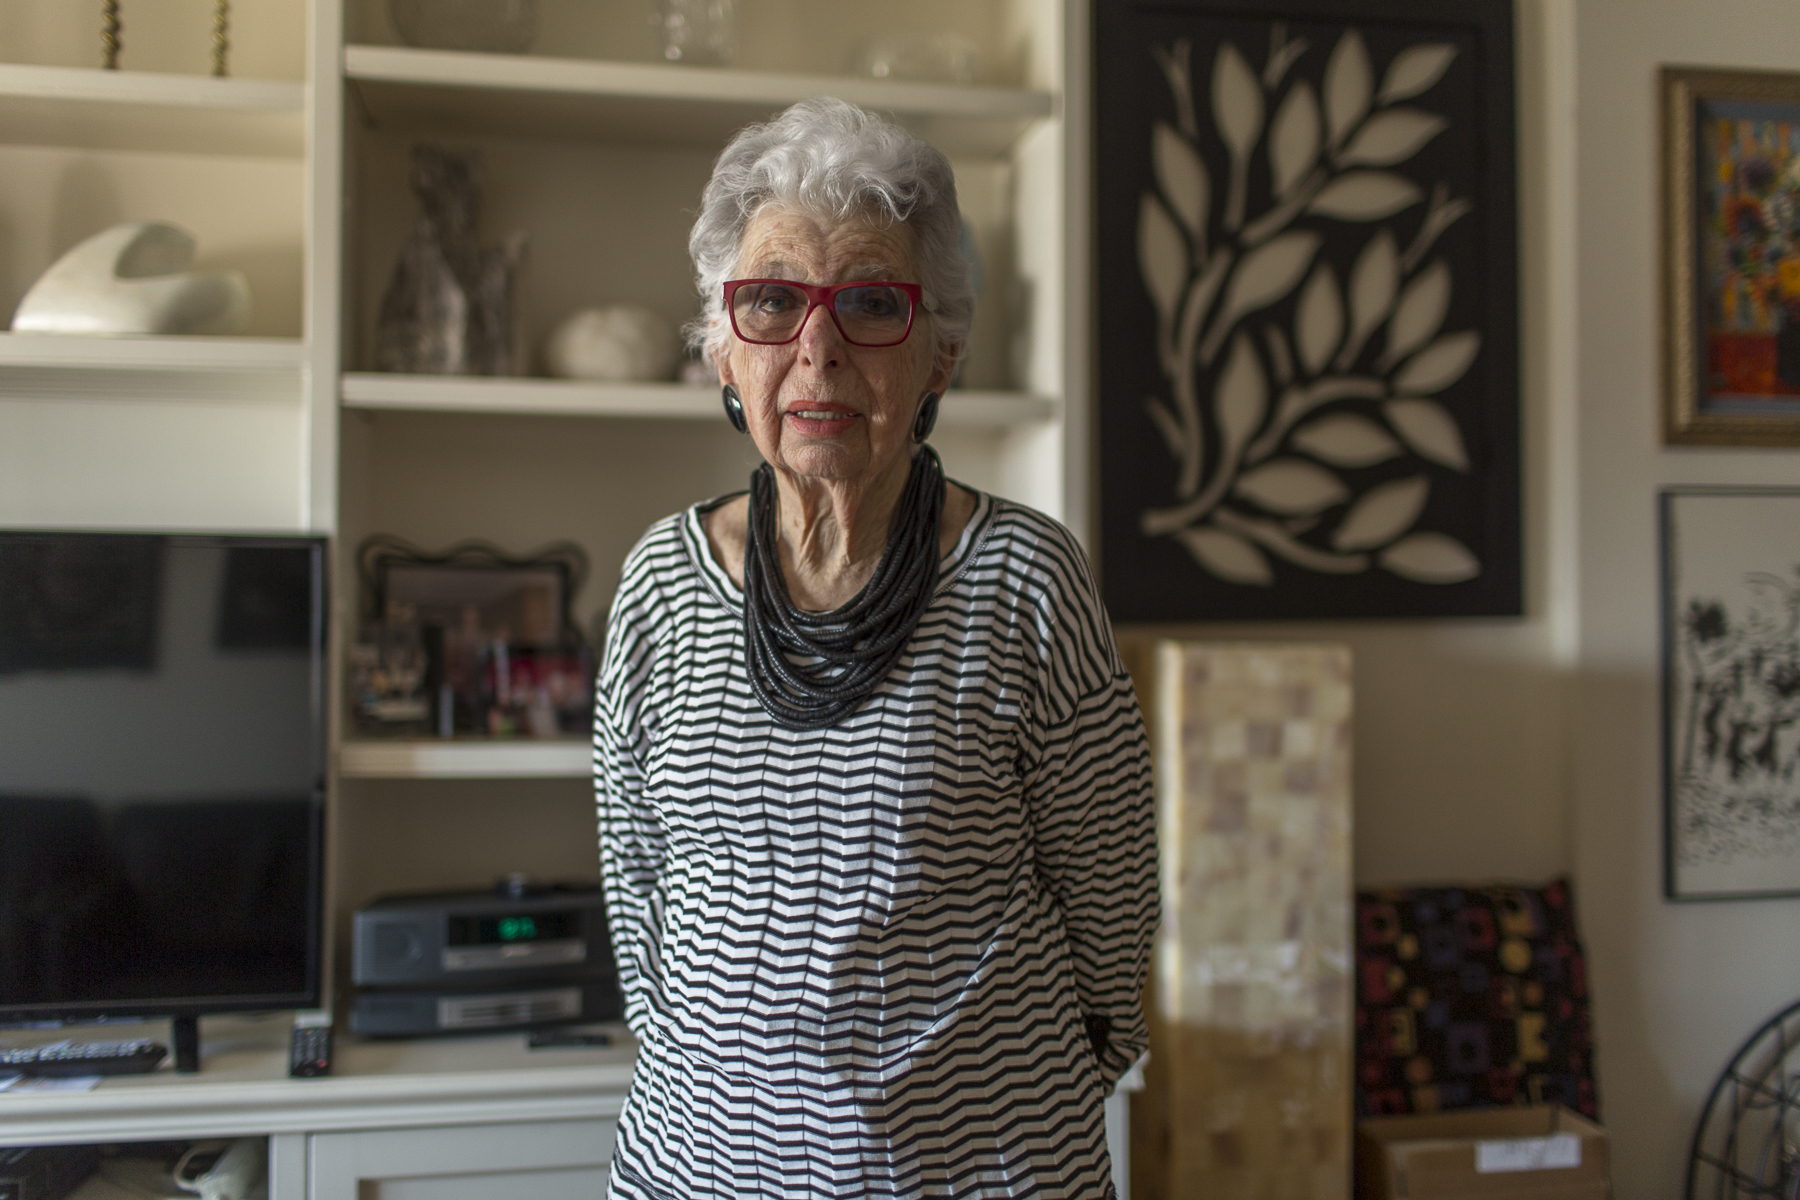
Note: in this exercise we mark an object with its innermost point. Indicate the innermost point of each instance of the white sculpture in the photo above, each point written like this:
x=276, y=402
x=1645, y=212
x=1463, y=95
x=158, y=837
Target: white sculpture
x=618, y=344
x=134, y=278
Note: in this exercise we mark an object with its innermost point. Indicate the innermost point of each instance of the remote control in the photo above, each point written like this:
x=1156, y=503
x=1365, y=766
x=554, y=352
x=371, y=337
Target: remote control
x=68, y=1059
x=311, y=1054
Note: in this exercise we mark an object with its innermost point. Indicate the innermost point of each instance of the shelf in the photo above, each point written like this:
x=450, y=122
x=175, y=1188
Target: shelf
x=557, y=397
x=243, y=1089
x=51, y=366
x=139, y=110
x=571, y=759
x=150, y=353
x=655, y=104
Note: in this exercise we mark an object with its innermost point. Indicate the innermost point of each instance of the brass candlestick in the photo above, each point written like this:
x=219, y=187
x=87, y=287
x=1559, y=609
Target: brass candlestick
x=109, y=33
x=221, y=43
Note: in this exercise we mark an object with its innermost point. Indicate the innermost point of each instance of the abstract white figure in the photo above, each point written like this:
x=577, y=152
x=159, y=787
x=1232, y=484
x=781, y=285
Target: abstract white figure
x=620, y=343
x=134, y=278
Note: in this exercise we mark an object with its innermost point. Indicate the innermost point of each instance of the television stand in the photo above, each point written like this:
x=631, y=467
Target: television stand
x=477, y=1115
x=186, y=1031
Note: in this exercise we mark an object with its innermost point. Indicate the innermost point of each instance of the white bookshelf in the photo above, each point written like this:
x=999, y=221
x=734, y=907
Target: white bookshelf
x=667, y=401
x=657, y=104
x=539, y=114
x=147, y=111
x=285, y=434
x=466, y=759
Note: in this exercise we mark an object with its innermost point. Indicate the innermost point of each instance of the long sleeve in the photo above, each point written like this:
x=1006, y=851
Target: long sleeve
x=1093, y=807
x=633, y=847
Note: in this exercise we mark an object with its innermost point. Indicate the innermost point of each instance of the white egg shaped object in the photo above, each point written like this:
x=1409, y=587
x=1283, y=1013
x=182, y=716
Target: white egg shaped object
x=134, y=278
x=618, y=344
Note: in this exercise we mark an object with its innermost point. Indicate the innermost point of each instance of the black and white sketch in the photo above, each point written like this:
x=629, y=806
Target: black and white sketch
x=1308, y=393
x=1731, y=630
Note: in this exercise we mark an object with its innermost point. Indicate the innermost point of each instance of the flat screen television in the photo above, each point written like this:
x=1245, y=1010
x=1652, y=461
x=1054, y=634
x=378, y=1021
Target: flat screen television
x=162, y=775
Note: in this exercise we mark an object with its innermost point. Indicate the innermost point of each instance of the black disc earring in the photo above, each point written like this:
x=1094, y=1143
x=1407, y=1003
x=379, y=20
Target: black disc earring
x=734, y=409
x=927, y=417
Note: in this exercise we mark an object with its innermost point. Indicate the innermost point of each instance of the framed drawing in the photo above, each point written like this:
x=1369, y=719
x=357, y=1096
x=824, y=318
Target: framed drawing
x=1731, y=691
x=1307, y=309
x=1731, y=257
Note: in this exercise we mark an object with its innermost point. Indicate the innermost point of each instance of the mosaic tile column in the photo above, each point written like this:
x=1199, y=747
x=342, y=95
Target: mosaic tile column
x=1254, y=966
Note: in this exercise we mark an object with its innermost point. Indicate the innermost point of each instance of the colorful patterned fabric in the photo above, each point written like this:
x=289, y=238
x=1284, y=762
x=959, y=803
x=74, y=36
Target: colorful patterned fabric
x=1471, y=998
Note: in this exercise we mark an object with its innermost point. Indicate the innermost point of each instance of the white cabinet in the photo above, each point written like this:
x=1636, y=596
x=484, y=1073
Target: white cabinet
x=440, y=1119
x=546, y=1160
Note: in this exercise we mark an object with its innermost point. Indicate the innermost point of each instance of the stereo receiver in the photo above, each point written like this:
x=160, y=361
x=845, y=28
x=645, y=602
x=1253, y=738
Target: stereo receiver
x=512, y=957
x=466, y=939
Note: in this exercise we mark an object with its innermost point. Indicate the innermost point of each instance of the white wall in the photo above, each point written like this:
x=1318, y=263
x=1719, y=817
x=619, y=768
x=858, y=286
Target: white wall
x=1677, y=986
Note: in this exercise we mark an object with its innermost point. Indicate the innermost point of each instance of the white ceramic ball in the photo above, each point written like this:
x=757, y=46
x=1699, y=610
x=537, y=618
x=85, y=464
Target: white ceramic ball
x=620, y=343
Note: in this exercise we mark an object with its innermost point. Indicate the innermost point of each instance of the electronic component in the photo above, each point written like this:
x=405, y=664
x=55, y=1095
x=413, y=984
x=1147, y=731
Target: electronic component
x=66, y=1059
x=421, y=1013
x=464, y=940
x=309, y=1055
x=567, y=1039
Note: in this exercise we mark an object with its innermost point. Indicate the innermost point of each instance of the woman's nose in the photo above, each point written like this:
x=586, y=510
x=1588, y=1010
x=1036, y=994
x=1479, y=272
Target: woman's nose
x=821, y=343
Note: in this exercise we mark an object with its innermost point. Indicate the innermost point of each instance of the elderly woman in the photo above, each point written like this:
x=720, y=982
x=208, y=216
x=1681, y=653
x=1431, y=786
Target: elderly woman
x=875, y=802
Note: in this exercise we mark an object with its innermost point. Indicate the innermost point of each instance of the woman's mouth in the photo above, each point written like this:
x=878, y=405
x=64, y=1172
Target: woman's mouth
x=820, y=420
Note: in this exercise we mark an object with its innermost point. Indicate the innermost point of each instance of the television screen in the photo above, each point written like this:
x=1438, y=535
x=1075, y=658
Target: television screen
x=162, y=773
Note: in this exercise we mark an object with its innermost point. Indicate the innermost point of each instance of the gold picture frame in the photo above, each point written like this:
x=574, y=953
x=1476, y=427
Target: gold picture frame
x=1731, y=257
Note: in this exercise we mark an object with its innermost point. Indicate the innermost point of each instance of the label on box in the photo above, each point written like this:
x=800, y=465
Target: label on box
x=1556, y=1152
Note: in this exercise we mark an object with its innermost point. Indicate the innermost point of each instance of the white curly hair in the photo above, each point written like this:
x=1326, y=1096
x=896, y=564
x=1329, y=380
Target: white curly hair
x=831, y=159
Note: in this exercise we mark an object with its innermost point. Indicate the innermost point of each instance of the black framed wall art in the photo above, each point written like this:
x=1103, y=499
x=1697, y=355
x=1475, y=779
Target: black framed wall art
x=1731, y=691
x=1307, y=298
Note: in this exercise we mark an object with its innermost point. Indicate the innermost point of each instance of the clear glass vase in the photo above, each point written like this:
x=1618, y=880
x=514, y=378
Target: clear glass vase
x=698, y=32
x=488, y=26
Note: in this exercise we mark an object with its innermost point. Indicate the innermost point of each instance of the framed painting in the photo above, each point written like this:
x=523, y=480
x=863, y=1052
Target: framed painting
x=1307, y=309
x=1731, y=691
x=1731, y=256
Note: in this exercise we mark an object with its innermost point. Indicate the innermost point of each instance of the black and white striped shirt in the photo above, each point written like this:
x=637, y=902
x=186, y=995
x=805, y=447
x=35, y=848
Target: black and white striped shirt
x=898, y=957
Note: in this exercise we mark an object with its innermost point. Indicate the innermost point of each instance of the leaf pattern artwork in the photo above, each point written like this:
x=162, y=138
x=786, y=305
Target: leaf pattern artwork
x=1306, y=408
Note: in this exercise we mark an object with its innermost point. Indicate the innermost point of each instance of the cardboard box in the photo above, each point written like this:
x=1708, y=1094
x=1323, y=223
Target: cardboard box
x=1544, y=1153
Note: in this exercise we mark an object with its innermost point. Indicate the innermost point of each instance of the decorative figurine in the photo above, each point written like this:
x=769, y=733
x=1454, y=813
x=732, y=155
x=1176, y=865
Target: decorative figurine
x=620, y=343
x=448, y=309
x=134, y=278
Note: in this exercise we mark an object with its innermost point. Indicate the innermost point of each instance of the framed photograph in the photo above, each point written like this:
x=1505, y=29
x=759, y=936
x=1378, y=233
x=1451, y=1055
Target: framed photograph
x=1731, y=691
x=1308, y=326
x=470, y=641
x=1731, y=250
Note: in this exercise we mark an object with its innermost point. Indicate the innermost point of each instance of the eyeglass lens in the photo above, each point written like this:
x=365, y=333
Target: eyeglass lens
x=868, y=314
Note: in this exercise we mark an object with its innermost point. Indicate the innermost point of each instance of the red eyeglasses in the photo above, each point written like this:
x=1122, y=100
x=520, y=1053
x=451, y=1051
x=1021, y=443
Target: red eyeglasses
x=772, y=312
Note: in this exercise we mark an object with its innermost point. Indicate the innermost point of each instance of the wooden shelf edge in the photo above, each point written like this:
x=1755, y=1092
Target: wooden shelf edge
x=445, y=68
x=97, y=352
x=557, y=397
x=369, y=759
x=93, y=85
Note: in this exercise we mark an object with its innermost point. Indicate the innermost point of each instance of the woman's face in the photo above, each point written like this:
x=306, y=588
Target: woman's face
x=820, y=407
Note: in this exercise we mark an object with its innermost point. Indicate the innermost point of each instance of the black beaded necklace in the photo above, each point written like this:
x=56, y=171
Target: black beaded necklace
x=856, y=645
